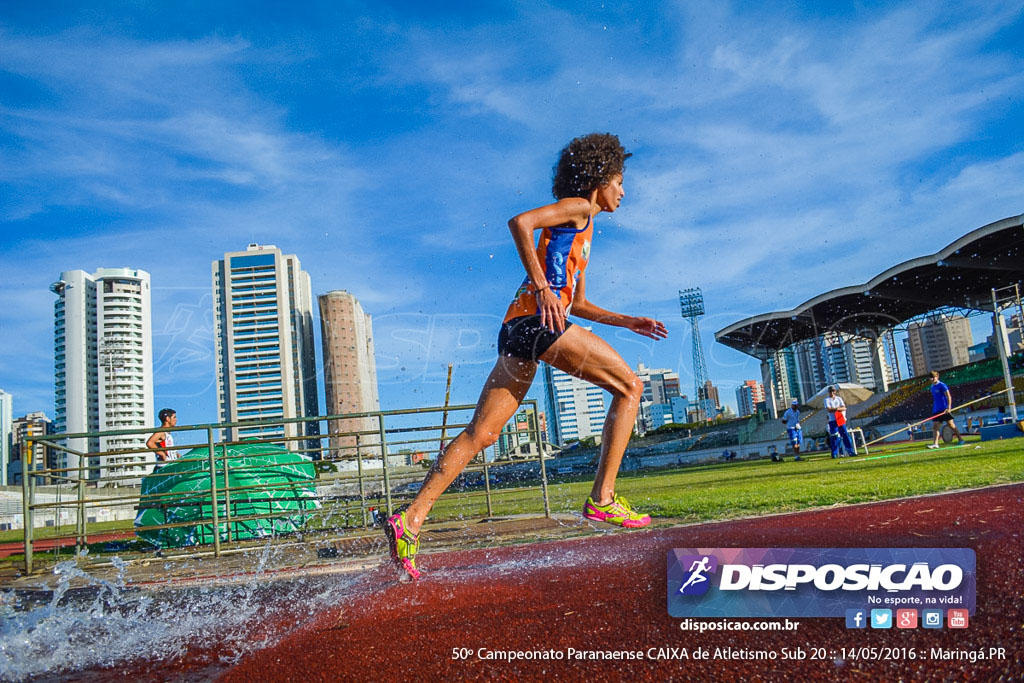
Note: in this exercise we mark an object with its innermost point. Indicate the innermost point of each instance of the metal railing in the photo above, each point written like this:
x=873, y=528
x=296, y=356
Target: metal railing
x=356, y=471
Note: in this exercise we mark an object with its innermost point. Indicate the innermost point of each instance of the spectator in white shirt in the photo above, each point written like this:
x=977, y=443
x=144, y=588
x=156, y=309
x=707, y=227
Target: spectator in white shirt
x=836, y=407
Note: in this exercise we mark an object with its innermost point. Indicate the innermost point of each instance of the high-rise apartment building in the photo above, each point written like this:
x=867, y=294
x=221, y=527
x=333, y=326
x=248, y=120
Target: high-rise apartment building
x=103, y=369
x=266, y=367
x=709, y=393
x=6, y=418
x=939, y=343
x=862, y=364
x=1013, y=339
x=909, y=356
x=350, y=370
x=33, y=424
x=811, y=368
x=518, y=436
x=575, y=408
x=748, y=395
x=838, y=358
x=661, y=386
x=779, y=377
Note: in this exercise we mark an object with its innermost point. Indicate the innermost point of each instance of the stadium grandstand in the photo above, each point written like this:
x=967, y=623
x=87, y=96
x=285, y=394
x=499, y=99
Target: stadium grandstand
x=971, y=275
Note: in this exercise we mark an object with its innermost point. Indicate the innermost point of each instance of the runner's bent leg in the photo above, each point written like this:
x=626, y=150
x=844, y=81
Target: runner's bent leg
x=502, y=393
x=585, y=355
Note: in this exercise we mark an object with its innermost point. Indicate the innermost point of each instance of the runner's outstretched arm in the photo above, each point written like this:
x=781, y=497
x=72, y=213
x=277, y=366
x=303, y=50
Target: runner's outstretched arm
x=648, y=327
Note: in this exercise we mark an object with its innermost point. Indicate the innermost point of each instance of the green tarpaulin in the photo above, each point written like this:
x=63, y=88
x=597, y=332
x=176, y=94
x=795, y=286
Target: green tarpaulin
x=264, y=480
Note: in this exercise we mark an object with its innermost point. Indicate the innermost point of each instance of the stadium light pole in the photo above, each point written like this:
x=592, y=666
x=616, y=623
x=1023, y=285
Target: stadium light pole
x=691, y=304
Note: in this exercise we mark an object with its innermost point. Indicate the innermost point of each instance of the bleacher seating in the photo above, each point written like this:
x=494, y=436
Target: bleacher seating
x=911, y=401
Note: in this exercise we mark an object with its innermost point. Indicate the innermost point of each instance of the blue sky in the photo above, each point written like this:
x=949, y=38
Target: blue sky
x=779, y=151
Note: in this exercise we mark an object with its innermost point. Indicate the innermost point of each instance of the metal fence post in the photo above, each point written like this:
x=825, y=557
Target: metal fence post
x=227, y=494
x=213, y=492
x=359, y=475
x=81, y=521
x=384, y=457
x=26, y=507
x=487, y=487
x=540, y=456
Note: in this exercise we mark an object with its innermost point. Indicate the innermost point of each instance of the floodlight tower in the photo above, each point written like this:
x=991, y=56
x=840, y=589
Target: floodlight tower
x=691, y=302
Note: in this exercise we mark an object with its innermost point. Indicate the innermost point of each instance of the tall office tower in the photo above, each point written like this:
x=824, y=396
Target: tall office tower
x=709, y=393
x=518, y=436
x=6, y=418
x=748, y=395
x=103, y=353
x=1013, y=339
x=660, y=387
x=266, y=367
x=350, y=370
x=33, y=424
x=939, y=343
x=575, y=408
x=862, y=367
x=837, y=368
x=909, y=356
x=811, y=369
x=778, y=374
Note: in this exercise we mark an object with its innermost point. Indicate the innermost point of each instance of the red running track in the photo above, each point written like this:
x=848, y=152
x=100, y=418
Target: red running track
x=608, y=593
x=43, y=544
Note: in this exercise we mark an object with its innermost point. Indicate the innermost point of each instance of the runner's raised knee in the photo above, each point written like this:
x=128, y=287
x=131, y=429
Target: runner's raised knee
x=627, y=385
x=481, y=436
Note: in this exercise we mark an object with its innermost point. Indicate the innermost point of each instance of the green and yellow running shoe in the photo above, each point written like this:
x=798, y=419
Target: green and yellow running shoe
x=618, y=512
x=402, y=543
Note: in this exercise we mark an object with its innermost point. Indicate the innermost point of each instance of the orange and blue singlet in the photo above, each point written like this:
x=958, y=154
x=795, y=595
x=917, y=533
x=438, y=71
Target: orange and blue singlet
x=564, y=252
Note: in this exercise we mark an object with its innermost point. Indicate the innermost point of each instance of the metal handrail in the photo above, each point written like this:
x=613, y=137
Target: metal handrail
x=218, y=502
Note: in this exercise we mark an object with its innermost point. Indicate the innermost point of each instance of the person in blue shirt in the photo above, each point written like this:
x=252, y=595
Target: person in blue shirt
x=942, y=401
x=791, y=418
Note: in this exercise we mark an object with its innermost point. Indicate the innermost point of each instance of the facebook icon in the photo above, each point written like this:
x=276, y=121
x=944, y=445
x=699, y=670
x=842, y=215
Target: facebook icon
x=856, y=618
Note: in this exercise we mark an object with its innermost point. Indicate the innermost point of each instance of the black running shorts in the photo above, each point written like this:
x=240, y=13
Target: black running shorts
x=525, y=337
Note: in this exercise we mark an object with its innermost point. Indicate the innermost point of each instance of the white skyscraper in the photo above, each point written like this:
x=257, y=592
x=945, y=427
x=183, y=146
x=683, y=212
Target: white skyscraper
x=6, y=417
x=263, y=318
x=103, y=367
x=575, y=408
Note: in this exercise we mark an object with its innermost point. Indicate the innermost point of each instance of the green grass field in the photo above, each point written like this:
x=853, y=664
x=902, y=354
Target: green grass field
x=739, y=489
x=735, y=489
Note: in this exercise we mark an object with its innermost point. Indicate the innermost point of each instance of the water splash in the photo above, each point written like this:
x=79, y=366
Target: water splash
x=105, y=624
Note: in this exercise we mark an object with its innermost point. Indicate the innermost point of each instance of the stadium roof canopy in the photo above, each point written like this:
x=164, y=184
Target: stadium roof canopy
x=961, y=275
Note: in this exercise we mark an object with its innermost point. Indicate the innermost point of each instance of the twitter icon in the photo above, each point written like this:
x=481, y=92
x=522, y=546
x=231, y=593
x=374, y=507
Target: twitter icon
x=881, y=618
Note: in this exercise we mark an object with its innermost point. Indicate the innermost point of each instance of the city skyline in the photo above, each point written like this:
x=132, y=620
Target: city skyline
x=319, y=368
x=132, y=137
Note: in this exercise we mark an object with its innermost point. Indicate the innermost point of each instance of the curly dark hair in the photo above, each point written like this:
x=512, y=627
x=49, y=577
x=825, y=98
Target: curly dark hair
x=587, y=163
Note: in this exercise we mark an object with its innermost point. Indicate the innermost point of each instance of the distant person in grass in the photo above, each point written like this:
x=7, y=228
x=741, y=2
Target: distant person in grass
x=942, y=401
x=791, y=418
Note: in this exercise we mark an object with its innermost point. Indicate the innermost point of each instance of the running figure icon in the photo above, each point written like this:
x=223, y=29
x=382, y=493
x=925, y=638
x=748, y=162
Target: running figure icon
x=697, y=570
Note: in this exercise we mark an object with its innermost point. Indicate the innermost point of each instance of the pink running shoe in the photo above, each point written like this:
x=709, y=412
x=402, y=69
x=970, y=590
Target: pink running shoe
x=616, y=512
x=402, y=543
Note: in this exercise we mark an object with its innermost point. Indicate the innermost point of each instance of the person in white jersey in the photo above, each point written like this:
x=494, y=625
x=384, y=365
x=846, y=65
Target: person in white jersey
x=163, y=441
x=837, y=434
